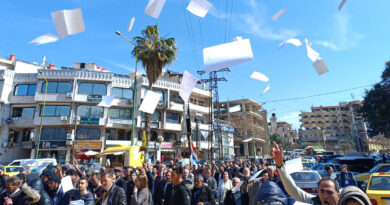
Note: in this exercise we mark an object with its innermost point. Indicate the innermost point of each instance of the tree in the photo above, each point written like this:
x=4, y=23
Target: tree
x=347, y=146
x=154, y=52
x=276, y=137
x=376, y=106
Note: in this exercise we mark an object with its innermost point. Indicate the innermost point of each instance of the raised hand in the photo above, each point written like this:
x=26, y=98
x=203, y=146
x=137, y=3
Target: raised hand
x=277, y=154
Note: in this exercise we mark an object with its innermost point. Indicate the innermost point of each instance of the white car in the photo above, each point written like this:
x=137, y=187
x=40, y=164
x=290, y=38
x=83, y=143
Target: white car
x=307, y=180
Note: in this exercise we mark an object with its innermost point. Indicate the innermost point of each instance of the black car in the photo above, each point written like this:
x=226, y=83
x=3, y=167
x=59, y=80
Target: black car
x=356, y=164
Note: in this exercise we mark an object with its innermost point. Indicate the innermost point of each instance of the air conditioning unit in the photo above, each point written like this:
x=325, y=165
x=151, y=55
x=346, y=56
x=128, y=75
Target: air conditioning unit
x=69, y=143
x=64, y=118
x=4, y=144
x=69, y=137
x=68, y=95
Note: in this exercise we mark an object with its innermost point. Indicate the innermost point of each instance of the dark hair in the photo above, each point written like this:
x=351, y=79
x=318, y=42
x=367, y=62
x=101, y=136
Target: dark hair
x=14, y=180
x=336, y=185
x=70, y=172
x=198, y=176
x=178, y=170
x=109, y=173
x=327, y=168
x=84, y=178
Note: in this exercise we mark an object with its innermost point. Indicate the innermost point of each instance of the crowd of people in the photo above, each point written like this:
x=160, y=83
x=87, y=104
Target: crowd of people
x=225, y=183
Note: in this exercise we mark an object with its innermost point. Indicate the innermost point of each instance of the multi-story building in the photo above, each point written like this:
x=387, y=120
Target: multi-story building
x=283, y=129
x=332, y=125
x=71, y=120
x=250, y=126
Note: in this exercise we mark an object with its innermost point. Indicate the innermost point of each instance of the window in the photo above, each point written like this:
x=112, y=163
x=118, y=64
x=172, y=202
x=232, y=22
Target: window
x=173, y=117
x=25, y=89
x=88, y=134
x=119, y=113
x=176, y=98
x=23, y=112
x=57, y=87
x=169, y=136
x=26, y=134
x=55, y=110
x=125, y=93
x=93, y=88
x=90, y=111
x=155, y=117
x=53, y=133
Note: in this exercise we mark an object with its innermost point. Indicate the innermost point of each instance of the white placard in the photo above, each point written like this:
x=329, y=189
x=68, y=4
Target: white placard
x=106, y=101
x=255, y=175
x=225, y=55
x=199, y=7
x=154, y=8
x=294, y=165
x=235, y=108
x=237, y=186
x=46, y=38
x=68, y=22
x=259, y=76
x=150, y=102
x=342, y=3
x=311, y=53
x=294, y=41
x=66, y=184
x=205, y=134
x=320, y=67
x=266, y=89
x=188, y=83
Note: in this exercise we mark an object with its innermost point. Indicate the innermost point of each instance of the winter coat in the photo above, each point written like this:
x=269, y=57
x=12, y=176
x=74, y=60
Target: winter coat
x=229, y=199
x=143, y=197
x=205, y=194
x=34, y=181
x=116, y=196
x=223, y=188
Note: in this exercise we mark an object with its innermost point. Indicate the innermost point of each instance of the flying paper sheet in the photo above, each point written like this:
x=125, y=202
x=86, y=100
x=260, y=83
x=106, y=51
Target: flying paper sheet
x=342, y=4
x=187, y=84
x=294, y=165
x=235, y=108
x=154, y=8
x=205, y=134
x=279, y=14
x=266, y=89
x=199, y=7
x=131, y=24
x=225, y=55
x=312, y=54
x=150, y=102
x=320, y=67
x=66, y=183
x=294, y=41
x=46, y=38
x=68, y=22
x=106, y=101
x=255, y=175
x=237, y=186
x=259, y=76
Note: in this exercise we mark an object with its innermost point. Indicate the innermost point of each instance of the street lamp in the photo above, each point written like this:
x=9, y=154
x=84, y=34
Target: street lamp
x=42, y=114
x=134, y=89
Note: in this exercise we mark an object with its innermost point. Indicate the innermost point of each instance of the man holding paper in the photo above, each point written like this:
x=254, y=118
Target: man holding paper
x=236, y=195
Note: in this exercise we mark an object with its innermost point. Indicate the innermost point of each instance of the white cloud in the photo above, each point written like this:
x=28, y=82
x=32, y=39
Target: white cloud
x=119, y=65
x=292, y=118
x=343, y=37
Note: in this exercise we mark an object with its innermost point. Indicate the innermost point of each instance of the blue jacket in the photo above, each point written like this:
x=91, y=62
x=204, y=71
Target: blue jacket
x=60, y=198
x=346, y=179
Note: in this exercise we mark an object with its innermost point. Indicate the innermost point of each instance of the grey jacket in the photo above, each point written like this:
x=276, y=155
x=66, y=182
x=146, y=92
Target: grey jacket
x=212, y=183
x=143, y=197
x=352, y=192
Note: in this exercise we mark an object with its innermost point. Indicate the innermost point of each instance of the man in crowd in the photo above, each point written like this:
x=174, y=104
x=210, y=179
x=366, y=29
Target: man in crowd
x=85, y=195
x=119, y=181
x=219, y=175
x=346, y=178
x=96, y=185
x=13, y=194
x=181, y=195
x=113, y=195
x=158, y=194
x=209, y=180
x=239, y=197
x=130, y=187
x=250, y=187
x=202, y=194
x=253, y=167
x=56, y=193
x=271, y=174
x=73, y=175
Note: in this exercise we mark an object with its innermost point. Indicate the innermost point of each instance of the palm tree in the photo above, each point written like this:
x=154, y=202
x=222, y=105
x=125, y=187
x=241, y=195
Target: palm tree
x=155, y=52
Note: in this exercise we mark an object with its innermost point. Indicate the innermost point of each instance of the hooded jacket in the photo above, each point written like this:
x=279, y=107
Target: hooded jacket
x=353, y=192
x=270, y=190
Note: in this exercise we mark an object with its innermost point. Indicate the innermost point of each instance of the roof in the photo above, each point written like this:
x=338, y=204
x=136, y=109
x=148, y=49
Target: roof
x=247, y=101
x=377, y=174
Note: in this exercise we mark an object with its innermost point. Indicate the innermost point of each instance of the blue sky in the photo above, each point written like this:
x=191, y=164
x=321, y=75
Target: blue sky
x=353, y=43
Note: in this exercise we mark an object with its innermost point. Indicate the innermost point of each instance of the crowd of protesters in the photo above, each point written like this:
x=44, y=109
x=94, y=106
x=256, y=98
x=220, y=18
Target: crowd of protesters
x=225, y=183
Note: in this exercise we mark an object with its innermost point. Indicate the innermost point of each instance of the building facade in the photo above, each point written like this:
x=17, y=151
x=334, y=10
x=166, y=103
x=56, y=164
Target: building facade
x=283, y=129
x=331, y=125
x=71, y=120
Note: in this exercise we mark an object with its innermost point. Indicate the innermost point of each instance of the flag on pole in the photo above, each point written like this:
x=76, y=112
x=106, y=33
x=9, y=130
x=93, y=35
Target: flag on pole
x=194, y=155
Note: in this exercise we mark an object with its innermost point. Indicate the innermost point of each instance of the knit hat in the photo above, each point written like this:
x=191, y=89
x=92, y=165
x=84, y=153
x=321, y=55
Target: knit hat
x=54, y=177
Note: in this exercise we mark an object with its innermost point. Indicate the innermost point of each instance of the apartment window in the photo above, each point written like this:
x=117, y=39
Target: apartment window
x=118, y=113
x=176, y=98
x=55, y=110
x=169, y=136
x=53, y=133
x=26, y=133
x=93, y=88
x=88, y=134
x=304, y=116
x=306, y=123
x=173, y=117
x=57, y=87
x=125, y=93
x=23, y=112
x=90, y=111
x=155, y=117
x=25, y=89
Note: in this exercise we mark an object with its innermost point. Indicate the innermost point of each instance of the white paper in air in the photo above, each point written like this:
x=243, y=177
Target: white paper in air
x=342, y=3
x=259, y=76
x=199, y=7
x=294, y=41
x=68, y=22
x=279, y=14
x=46, y=38
x=255, y=175
x=106, y=101
x=311, y=53
x=225, y=55
x=150, y=102
x=294, y=165
x=235, y=109
x=205, y=134
x=154, y=8
x=266, y=89
x=237, y=186
x=131, y=24
x=66, y=184
x=320, y=67
x=187, y=85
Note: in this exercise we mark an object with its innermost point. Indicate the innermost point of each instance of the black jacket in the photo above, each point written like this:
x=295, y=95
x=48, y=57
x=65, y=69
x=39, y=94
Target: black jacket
x=181, y=195
x=158, y=194
x=116, y=196
x=168, y=193
x=34, y=181
x=149, y=174
x=204, y=194
x=19, y=198
x=217, y=176
x=3, y=182
x=121, y=183
x=129, y=191
x=229, y=198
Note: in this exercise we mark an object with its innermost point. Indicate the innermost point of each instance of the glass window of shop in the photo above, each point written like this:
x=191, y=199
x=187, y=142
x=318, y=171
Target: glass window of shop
x=173, y=117
x=90, y=111
x=55, y=110
x=23, y=112
x=125, y=93
x=93, y=88
x=57, y=87
x=25, y=89
x=117, y=134
x=53, y=133
x=169, y=136
x=118, y=113
x=59, y=155
x=155, y=117
x=88, y=134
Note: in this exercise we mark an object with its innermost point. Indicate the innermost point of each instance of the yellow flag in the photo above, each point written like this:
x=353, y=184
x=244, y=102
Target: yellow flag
x=136, y=158
x=144, y=138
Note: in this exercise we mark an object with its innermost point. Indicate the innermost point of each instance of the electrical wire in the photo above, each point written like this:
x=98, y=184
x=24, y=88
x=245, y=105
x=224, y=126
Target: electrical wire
x=191, y=35
x=230, y=20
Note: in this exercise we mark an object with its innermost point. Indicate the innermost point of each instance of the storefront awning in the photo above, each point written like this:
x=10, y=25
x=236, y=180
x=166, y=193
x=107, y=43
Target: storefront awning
x=117, y=148
x=253, y=140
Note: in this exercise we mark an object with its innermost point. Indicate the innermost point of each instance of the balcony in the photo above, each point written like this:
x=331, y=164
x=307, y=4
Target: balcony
x=198, y=108
x=22, y=122
x=173, y=126
x=63, y=120
x=54, y=97
x=118, y=142
x=120, y=123
x=175, y=106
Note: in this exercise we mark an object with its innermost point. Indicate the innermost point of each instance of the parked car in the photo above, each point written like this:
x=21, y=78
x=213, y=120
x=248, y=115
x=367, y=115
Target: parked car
x=307, y=166
x=378, y=188
x=36, y=165
x=297, y=152
x=307, y=180
x=309, y=160
x=360, y=178
x=329, y=158
x=11, y=170
x=320, y=168
x=356, y=164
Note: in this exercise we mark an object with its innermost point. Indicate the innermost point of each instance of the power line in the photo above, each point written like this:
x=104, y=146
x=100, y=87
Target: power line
x=317, y=95
x=230, y=20
x=190, y=34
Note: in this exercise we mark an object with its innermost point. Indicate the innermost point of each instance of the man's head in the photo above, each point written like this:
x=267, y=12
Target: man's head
x=83, y=183
x=344, y=168
x=150, y=167
x=128, y=171
x=235, y=181
x=270, y=171
x=108, y=179
x=95, y=178
x=198, y=181
x=177, y=175
x=58, y=169
x=186, y=173
x=171, y=162
x=221, y=169
x=247, y=172
x=328, y=190
x=72, y=173
x=118, y=173
x=13, y=184
x=54, y=182
x=329, y=169
x=207, y=173
x=168, y=176
x=45, y=176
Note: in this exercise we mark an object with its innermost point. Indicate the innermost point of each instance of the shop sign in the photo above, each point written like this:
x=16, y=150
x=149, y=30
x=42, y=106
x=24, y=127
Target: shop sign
x=87, y=144
x=94, y=98
x=166, y=145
